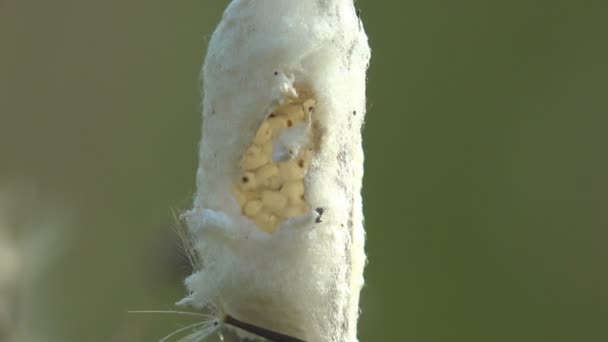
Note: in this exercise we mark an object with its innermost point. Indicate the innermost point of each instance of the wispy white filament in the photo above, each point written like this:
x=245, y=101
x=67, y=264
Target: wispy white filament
x=277, y=218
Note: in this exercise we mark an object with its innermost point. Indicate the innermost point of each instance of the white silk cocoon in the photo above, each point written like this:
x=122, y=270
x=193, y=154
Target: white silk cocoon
x=303, y=278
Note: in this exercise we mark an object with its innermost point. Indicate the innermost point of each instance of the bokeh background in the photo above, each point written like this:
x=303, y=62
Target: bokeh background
x=486, y=167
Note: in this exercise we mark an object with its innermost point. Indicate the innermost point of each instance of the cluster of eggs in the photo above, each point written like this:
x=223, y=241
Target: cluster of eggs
x=269, y=189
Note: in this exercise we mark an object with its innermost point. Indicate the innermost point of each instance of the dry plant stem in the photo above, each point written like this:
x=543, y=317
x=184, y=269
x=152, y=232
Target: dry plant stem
x=277, y=219
x=259, y=331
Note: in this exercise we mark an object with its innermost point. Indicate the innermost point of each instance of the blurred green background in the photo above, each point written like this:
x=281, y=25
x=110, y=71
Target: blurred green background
x=486, y=166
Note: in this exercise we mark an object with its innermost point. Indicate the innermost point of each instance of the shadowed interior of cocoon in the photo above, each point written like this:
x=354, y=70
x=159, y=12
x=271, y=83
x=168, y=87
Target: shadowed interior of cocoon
x=271, y=187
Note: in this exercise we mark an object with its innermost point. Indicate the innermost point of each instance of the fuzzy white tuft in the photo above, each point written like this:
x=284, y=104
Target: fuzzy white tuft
x=297, y=270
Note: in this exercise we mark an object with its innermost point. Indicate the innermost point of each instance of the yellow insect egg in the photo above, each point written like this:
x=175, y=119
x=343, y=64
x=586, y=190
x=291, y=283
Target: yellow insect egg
x=254, y=157
x=267, y=150
x=296, y=209
x=274, y=182
x=248, y=181
x=252, y=208
x=267, y=222
x=306, y=155
x=292, y=170
x=240, y=196
x=264, y=134
x=309, y=105
x=303, y=162
x=274, y=201
x=264, y=173
x=293, y=112
x=277, y=123
x=293, y=190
